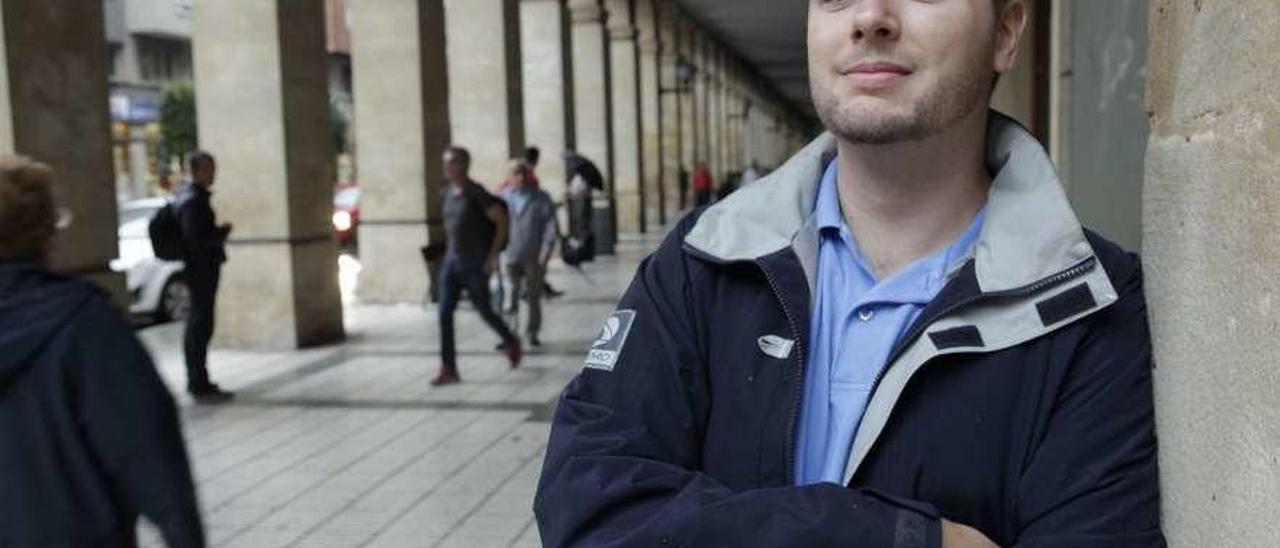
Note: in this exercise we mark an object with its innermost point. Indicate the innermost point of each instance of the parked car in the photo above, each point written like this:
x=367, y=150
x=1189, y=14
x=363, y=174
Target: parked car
x=346, y=214
x=157, y=286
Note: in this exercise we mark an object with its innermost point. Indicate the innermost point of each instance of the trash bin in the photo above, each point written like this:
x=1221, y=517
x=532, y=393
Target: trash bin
x=603, y=227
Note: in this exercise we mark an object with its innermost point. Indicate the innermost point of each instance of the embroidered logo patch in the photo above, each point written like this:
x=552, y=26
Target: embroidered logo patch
x=607, y=348
x=775, y=346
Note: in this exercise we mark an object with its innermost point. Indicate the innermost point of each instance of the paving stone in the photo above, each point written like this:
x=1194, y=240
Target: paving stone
x=348, y=446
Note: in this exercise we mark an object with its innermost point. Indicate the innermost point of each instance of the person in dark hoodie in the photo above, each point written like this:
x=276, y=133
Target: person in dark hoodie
x=89, y=435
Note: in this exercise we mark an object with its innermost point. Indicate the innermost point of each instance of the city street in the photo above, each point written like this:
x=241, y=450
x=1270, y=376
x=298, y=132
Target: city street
x=348, y=446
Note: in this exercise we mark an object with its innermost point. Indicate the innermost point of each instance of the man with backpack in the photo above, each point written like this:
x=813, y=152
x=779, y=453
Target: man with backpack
x=476, y=224
x=203, y=252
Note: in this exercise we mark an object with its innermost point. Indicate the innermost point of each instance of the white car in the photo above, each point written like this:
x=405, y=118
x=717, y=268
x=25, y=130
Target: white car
x=157, y=286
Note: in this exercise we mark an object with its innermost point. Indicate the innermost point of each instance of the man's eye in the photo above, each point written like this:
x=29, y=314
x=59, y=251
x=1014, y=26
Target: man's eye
x=833, y=4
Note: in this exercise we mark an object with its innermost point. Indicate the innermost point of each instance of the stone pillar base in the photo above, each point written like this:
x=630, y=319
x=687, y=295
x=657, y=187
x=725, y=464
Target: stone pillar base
x=392, y=268
x=267, y=302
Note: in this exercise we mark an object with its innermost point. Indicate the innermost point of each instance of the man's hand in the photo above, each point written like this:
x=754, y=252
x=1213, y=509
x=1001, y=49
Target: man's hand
x=490, y=265
x=955, y=535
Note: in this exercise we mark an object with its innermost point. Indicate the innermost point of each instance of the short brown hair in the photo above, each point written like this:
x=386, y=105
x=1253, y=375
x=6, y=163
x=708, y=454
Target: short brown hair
x=28, y=212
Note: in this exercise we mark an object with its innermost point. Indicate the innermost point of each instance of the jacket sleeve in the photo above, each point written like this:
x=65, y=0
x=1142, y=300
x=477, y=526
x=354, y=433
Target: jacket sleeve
x=1092, y=482
x=623, y=463
x=132, y=425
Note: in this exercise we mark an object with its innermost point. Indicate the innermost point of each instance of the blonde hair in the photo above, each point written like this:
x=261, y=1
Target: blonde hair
x=28, y=212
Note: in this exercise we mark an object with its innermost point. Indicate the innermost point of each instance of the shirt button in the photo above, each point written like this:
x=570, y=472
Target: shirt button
x=866, y=314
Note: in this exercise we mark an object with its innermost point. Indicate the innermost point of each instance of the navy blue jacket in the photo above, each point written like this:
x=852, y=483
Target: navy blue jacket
x=1020, y=403
x=89, y=436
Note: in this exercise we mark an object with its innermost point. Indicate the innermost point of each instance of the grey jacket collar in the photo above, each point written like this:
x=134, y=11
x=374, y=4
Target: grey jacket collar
x=1031, y=232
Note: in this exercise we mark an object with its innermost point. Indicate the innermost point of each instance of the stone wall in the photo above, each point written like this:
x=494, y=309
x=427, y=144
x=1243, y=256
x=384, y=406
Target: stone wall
x=1212, y=204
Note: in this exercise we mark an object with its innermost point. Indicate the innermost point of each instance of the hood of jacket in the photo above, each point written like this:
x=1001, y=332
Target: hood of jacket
x=34, y=306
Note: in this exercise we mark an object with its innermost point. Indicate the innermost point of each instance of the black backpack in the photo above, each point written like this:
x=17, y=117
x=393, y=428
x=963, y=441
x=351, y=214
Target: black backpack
x=166, y=233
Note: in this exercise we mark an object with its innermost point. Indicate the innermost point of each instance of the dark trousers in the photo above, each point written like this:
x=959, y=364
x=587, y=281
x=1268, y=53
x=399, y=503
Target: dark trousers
x=454, y=278
x=527, y=278
x=203, y=284
x=701, y=197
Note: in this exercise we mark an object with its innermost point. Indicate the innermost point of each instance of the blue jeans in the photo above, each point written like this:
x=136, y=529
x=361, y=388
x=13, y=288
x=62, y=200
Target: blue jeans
x=454, y=278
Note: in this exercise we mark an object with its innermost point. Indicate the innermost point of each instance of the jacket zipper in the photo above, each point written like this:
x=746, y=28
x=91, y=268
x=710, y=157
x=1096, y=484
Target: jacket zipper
x=798, y=391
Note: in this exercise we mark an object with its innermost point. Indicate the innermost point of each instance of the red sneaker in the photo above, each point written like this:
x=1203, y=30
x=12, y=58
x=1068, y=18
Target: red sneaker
x=514, y=352
x=448, y=375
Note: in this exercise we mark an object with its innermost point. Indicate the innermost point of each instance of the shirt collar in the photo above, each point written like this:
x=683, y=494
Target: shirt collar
x=919, y=281
x=826, y=211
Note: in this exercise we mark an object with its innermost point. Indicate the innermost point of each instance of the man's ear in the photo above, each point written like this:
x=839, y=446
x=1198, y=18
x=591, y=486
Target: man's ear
x=1011, y=22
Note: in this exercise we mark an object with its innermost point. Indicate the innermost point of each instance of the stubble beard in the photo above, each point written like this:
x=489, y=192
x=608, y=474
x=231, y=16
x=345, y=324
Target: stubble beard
x=955, y=98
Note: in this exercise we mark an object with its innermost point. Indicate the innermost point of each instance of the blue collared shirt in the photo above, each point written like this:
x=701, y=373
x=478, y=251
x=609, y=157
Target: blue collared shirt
x=856, y=321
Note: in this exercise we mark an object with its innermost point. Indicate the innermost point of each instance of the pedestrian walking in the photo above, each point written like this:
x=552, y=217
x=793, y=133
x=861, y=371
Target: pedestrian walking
x=531, y=157
x=476, y=226
x=903, y=337
x=89, y=435
x=530, y=245
x=702, y=185
x=203, y=254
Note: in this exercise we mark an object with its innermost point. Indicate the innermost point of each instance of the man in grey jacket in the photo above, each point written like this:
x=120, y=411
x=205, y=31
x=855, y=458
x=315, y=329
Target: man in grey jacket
x=529, y=247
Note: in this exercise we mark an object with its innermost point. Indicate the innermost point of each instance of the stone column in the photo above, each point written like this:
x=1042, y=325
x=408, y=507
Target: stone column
x=716, y=124
x=700, y=94
x=6, y=99
x=733, y=120
x=592, y=98
x=689, y=114
x=482, y=39
x=53, y=108
x=548, y=87
x=1211, y=204
x=673, y=112
x=704, y=99
x=753, y=136
x=773, y=140
x=655, y=198
x=625, y=87
x=263, y=105
x=401, y=103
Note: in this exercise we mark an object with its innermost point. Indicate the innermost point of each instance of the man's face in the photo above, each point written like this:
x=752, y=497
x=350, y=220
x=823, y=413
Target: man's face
x=454, y=168
x=886, y=71
x=203, y=173
x=520, y=176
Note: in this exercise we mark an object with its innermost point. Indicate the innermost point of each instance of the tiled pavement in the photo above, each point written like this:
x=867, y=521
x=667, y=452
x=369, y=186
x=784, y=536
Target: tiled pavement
x=348, y=446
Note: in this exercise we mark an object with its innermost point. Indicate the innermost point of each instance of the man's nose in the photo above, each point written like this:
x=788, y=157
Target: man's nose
x=875, y=20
